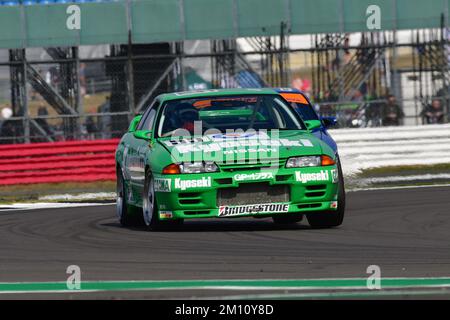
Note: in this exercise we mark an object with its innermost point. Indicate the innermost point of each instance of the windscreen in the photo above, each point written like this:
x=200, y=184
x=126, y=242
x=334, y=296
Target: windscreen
x=258, y=112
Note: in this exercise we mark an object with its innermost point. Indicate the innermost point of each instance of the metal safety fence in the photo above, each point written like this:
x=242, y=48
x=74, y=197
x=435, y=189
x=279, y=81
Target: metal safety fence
x=92, y=92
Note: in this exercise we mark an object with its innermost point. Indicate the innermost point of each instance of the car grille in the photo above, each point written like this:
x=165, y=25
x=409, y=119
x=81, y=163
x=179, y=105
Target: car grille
x=251, y=165
x=253, y=193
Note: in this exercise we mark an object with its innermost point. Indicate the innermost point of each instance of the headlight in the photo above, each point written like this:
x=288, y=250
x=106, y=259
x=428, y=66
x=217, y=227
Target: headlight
x=309, y=161
x=198, y=167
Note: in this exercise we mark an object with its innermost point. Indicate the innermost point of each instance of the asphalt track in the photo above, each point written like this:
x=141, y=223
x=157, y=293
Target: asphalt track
x=406, y=232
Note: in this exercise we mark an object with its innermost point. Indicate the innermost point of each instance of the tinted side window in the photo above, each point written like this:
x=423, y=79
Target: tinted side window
x=306, y=111
x=148, y=117
x=147, y=124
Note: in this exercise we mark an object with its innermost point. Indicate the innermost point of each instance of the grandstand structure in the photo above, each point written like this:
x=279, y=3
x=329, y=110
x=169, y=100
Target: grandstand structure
x=60, y=88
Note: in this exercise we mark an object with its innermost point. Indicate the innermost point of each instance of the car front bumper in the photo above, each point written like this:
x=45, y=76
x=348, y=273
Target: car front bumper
x=257, y=193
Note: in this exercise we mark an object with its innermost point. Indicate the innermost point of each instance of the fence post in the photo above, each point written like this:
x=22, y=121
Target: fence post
x=78, y=98
x=26, y=113
x=130, y=72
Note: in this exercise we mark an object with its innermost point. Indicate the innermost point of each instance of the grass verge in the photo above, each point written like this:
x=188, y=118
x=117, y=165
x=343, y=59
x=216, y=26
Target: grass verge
x=32, y=192
x=405, y=170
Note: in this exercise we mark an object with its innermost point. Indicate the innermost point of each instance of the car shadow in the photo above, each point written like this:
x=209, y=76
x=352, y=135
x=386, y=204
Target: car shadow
x=224, y=225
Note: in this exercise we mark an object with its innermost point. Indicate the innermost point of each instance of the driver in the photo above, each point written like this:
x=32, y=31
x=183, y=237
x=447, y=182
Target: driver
x=187, y=115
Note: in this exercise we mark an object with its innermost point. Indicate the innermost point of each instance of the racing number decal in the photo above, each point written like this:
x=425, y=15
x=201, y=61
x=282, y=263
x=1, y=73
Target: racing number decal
x=125, y=171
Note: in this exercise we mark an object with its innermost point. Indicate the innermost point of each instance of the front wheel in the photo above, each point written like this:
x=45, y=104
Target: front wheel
x=150, y=209
x=329, y=218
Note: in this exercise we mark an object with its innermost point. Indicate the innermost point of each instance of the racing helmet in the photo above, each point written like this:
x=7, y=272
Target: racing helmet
x=187, y=113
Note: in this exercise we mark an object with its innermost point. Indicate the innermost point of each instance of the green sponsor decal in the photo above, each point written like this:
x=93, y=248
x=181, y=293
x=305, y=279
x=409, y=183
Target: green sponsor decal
x=165, y=214
x=163, y=185
x=334, y=175
x=253, y=176
x=227, y=211
x=204, y=182
x=322, y=175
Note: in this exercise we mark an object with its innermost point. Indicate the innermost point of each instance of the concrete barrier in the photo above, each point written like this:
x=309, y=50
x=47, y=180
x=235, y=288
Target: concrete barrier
x=392, y=146
x=56, y=162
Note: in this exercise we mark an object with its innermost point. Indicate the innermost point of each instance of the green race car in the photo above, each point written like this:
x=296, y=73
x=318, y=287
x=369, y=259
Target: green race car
x=226, y=154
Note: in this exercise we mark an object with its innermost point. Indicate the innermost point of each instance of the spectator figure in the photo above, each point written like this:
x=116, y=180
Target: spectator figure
x=373, y=113
x=11, y=131
x=8, y=132
x=42, y=122
x=91, y=127
x=82, y=77
x=104, y=121
x=357, y=96
x=391, y=112
x=343, y=56
x=48, y=77
x=433, y=113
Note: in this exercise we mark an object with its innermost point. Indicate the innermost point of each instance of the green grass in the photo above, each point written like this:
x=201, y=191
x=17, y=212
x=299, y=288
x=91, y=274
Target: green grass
x=405, y=170
x=32, y=192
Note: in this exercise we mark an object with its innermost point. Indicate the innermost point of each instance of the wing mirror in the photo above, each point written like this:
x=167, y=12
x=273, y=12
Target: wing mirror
x=142, y=134
x=134, y=123
x=313, y=124
x=329, y=121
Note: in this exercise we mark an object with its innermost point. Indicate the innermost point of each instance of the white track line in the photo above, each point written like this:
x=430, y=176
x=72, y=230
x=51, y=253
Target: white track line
x=398, y=187
x=49, y=205
x=78, y=197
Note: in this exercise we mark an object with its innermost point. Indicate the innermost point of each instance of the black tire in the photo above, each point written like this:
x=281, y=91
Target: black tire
x=128, y=215
x=292, y=219
x=150, y=212
x=330, y=219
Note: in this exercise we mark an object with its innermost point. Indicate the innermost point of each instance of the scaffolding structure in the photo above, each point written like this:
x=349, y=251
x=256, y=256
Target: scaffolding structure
x=130, y=76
